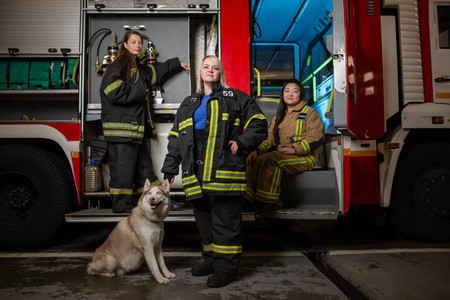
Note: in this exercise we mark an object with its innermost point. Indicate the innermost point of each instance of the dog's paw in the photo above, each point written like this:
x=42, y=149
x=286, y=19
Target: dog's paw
x=169, y=275
x=164, y=281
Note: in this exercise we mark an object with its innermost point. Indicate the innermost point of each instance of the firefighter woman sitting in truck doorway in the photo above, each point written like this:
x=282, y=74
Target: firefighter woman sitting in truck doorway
x=213, y=132
x=124, y=98
x=295, y=135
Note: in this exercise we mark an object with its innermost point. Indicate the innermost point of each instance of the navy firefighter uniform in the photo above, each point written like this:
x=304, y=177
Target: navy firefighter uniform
x=126, y=121
x=213, y=177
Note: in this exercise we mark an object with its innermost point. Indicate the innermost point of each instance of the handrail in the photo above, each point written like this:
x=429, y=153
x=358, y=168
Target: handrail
x=313, y=76
x=330, y=101
x=258, y=82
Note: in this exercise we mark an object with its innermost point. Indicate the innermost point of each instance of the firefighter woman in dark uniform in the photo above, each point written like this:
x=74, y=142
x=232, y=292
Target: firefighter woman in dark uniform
x=295, y=135
x=125, y=111
x=213, y=132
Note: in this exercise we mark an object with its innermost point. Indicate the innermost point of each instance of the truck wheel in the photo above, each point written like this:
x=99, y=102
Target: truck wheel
x=35, y=191
x=420, y=202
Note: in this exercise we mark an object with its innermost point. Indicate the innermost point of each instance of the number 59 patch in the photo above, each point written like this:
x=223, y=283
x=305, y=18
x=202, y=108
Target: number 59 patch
x=228, y=94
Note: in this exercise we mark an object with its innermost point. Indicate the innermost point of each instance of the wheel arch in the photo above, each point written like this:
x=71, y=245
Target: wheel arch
x=419, y=196
x=407, y=139
x=56, y=149
x=61, y=139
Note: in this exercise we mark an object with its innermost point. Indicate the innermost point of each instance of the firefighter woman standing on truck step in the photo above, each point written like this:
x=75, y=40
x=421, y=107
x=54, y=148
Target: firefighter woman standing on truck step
x=213, y=132
x=295, y=135
x=125, y=102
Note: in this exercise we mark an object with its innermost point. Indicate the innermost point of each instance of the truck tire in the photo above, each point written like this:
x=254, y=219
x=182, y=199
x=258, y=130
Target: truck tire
x=420, y=202
x=35, y=192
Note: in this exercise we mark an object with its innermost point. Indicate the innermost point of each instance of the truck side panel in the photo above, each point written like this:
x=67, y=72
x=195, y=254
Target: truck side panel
x=37, y=26
x=365, y=70
x=235, y=42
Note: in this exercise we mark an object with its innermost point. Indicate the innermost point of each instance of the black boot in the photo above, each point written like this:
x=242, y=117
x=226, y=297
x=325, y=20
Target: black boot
x=220, y=279
x=203, y=269
x=265, y=206
x=247, y=205
x=176, y=205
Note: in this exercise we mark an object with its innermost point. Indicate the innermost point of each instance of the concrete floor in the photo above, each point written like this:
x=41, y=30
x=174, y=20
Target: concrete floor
x=420, y=273
x=290, y=276
x=354, y=261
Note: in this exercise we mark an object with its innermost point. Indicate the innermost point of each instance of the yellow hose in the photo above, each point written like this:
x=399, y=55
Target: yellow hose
x=331, y=99
x=210, y=34
x=75, y=72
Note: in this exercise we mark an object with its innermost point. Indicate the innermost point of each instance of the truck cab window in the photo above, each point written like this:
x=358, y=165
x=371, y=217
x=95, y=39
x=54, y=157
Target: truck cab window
x=444, y=26
x=275, y=65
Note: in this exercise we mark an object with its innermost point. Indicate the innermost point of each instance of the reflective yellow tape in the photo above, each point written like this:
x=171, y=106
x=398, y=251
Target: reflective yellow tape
x=361, y=153
x=442, y=95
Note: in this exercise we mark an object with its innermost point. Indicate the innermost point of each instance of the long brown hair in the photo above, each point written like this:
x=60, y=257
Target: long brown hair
x=282, y=107
x=126, y=60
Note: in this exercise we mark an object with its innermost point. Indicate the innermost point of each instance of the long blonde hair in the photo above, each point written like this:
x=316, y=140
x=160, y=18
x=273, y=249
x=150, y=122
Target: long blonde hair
x=221, y=73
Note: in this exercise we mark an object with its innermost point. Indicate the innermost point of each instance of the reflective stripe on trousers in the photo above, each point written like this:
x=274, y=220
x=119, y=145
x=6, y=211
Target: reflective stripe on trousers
x=219, y=221
x=264, y=174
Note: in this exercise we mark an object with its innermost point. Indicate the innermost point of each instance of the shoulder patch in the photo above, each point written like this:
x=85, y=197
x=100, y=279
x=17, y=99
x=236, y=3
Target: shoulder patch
x=302, y=116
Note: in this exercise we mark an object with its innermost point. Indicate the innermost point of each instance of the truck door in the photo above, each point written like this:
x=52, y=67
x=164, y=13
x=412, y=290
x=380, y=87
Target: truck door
x=439, y=16
x=358, y=96
x=339, y=65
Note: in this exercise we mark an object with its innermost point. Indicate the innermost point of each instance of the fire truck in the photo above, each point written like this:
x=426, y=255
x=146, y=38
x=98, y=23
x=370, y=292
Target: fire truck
x=376, y=71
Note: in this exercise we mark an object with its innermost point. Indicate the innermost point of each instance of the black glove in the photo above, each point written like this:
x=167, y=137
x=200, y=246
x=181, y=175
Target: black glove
x=169, y=176
x=241, y=147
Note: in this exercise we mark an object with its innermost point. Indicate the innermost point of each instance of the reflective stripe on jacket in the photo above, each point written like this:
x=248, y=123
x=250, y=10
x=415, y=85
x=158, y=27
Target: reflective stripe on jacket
x=124, y=116
x=302, y=129
x=230, y=115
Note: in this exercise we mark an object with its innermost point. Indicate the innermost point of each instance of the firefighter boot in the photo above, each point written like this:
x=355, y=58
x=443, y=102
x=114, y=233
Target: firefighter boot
x=265, y=206
x=203, y=269
x=220, y=279
x=176, y=205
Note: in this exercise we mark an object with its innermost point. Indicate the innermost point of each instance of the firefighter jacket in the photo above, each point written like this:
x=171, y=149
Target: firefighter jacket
x=125, y=112
x=301, y=129
x=230, y=115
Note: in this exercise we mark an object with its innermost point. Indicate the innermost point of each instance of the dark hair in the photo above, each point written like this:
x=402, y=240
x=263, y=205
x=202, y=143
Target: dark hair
x=125, y=59
x=282, y=107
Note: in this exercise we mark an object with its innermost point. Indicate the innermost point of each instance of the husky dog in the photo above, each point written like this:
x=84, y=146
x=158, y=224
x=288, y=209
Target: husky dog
x=136, y=237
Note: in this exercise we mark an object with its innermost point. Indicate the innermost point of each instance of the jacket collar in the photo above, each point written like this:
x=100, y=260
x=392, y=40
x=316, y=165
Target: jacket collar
x=299, y=106
x=217, y=87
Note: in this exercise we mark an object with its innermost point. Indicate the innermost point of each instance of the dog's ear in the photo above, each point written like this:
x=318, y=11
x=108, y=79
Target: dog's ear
x=166, y=185
x=147, y=184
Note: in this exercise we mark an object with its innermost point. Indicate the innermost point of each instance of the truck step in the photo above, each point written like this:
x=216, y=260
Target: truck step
x=105, y=215
x=301, y=214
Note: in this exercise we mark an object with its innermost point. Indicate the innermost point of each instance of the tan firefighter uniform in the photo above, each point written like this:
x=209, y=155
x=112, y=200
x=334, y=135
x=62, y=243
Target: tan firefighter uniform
x=301, y=129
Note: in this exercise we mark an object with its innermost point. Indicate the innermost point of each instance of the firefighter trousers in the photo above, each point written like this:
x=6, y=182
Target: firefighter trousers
x=265, y=172
x=219, y=221
x=129, y=164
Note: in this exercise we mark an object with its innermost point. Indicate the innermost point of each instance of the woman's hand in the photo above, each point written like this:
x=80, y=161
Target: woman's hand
x=234, y=146
x=251, y=157
x=287, y=150
x=186, y=67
